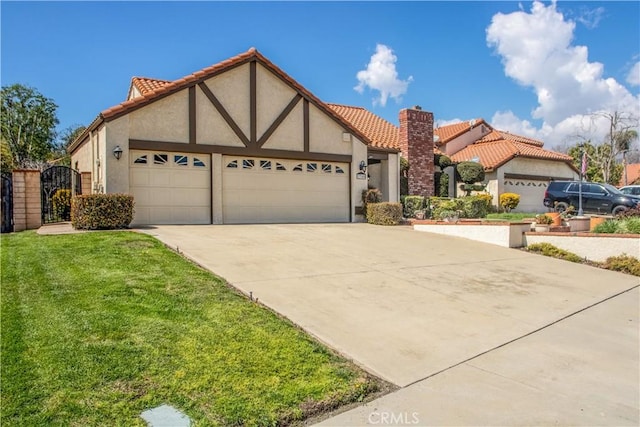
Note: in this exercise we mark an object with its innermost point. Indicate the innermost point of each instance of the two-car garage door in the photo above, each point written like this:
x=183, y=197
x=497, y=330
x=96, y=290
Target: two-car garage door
x=176, y=188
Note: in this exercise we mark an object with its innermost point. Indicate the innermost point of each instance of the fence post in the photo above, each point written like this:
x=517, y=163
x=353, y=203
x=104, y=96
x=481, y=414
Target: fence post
x=27, y=206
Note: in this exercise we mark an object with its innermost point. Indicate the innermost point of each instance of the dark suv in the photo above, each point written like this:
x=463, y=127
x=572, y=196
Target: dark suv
x=596, y=198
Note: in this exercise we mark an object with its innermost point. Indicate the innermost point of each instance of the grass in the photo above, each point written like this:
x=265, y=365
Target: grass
x=98, y=327
x=511, y=216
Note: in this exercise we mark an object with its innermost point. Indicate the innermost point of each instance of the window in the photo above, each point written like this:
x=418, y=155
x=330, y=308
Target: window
x=298, y=168
x=326, y=168
x=339, y=169
x=311, y=167
x=233, y=164
x=265, y=165
x=181, y=160
x=248, y=164
x=142, y=160
x=198, y=163
x=280, y=167
x=160, y=159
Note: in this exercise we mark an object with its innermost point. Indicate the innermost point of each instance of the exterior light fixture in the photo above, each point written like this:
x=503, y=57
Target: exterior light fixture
x=117, y=152
x=363, y=166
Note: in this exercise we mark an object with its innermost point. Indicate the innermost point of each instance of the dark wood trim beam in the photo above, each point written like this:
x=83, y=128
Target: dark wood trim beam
x=376, y=155
x=192, y=114
x=283, y=115
x=225, y=115
x=252, y=151
x=253, y=102
x=305, y=119
x=535, y=177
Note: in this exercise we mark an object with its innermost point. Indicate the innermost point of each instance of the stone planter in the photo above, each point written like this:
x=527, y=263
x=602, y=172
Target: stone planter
x=578, y=224
x=557, y=219
x=542, y=228
x=595, y=220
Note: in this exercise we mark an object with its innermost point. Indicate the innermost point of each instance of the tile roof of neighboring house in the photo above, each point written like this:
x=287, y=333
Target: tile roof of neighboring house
x=633, y=174
x=496, y=135
x=496, y=152
x=448, y=132
x=146, y=85
x=381, y=133
x=161, y=90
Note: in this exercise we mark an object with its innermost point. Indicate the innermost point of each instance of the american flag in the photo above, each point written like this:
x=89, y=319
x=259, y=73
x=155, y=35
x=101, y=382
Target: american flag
x=583, y=171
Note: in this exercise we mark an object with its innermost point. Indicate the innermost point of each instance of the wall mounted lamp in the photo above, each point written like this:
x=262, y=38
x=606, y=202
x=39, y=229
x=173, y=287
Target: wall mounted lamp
x=117, y=152
x=363, y=166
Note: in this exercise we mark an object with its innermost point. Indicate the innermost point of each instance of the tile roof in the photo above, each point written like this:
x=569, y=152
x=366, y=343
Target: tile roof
x=147, y=85
x=152, y=89
x=448, y=132
x=496, y=152
x=496, y=135
x=382, y=133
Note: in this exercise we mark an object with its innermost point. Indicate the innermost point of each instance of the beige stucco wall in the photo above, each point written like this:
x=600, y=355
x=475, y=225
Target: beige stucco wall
x=594, y=247
x=546, y=168
x=117, y=171
x=232, y=90
x=82, y=155
x=465, y=139
x=393, y=177
x=211, y=128
x=357, y=185
x=290, y=134
x=166, y=119
x=273, y=95
x=325, y=135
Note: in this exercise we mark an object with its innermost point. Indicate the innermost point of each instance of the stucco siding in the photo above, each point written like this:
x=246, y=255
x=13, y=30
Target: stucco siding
x=167, y=119
x=82, y=156
x=211, y=128
x=117, y=171
x=232, y=89
x=325, y=135
x=290, y=134
x=357, y=185
x=543, y=168
x=463, y=140
x=273, y=95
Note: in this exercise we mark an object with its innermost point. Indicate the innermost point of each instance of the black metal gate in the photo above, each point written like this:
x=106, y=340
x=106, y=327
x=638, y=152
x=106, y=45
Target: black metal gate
x=57, y=185
x=7, y=203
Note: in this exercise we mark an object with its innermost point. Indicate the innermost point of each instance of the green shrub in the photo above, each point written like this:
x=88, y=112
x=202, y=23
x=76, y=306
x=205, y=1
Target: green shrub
x=509, y=201
x=629, y=225
x=549, y=250
x=623, y=263
x=443, y=161
x=476, y=206
x=102, y=211
x=411, y=204
x=633, y=212
x=384, y=213
x=438, y=205
x=404, y=176
x=443, y=185
x=61, y=201
x=470, y=172
x=544, y=219
x=373, y=195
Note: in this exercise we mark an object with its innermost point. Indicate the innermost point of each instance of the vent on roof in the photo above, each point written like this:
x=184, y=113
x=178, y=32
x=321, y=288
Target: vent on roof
x=417, y=107
x=472, y=122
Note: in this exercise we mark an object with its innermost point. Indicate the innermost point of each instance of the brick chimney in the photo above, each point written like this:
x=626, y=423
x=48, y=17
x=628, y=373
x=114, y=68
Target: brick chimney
x=416, y=143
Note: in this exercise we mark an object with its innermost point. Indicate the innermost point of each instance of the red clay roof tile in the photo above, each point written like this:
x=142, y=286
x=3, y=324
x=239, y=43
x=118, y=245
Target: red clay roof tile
x=147, y=85
x=448, y=132
x=380, y=132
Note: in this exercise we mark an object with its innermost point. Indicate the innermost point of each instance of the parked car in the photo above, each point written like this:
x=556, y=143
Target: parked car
x=596, y=197
x=631, y=190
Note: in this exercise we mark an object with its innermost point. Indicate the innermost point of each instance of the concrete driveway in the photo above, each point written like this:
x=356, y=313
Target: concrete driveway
x=452, y=321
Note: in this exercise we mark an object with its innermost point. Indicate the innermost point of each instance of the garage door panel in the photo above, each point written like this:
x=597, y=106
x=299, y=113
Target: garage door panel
x=255, y=195
x=177, y=191
x=531, y=193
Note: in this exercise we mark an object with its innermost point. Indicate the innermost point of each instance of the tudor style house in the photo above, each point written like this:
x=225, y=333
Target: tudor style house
x=237, y=142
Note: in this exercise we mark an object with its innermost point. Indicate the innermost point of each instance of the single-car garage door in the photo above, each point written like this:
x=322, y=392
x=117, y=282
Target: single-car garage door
x=531, y=193
x=258, y=190
x=170, y=188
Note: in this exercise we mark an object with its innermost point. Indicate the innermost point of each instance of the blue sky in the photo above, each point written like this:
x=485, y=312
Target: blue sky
x=532, y=68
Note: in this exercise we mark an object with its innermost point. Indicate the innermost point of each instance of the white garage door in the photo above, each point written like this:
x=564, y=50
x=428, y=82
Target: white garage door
x=258, y=190
x=531, y=193
x=170, y=188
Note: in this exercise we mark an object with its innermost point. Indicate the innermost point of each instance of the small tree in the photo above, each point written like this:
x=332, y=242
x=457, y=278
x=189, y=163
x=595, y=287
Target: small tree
x=509, y=201
x=470, y=173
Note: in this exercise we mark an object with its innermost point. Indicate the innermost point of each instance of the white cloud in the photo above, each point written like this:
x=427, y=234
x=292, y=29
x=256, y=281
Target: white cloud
x=381, y=75
x=633, y=78
x=590, y=18
x=537, y=51
x=440, y=123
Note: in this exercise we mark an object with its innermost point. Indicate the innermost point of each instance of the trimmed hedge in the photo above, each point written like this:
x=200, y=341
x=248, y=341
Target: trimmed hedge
x=411, y=204
x=372, y=195
x=509, y=201
x=466, y=207
x=384, y=213
x=102, y=211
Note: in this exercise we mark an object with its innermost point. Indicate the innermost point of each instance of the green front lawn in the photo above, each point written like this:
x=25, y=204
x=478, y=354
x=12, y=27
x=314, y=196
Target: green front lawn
x=511, y=216
x=98, y=327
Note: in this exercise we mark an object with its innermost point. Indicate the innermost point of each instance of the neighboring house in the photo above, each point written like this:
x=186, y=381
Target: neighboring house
x=512, y=163
x=632, y=175
x=237, y=142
